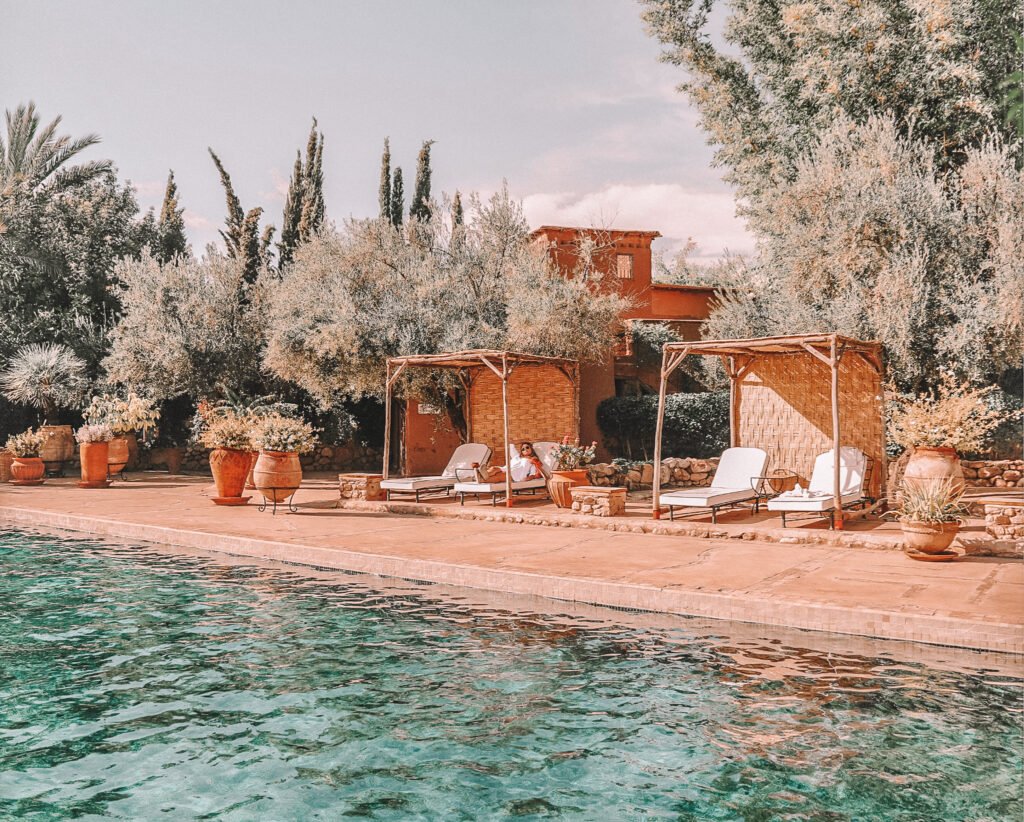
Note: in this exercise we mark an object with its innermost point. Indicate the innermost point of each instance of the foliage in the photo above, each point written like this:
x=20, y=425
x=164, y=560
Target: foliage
x=45, y=376
x=123, y=415
x=171, y=241
x=384, y=189
x=26, y=444
x=419, y=208
x=353, y=298
x=227, y=431
x=397, y=198
x=954, y=416
x=242, y=232
x=188, y=327
x=570, y=456
x=648, y=339
x=1013, y=87
x=94, y=433
x=696, y=425
x=312, y=214
x=275, y=432
x=934, y=502
x=458, y=213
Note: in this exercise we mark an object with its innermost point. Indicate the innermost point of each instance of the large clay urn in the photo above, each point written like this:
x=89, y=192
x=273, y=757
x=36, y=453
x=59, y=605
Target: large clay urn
x=27, y=471
x=6, y=458
x=277, y=474
x=928, y=466
x=118, y=453
x=93, y=456
x=250, y=481
x=929, y=537
x=562, y=482
x=230, y=467
x=58, y=446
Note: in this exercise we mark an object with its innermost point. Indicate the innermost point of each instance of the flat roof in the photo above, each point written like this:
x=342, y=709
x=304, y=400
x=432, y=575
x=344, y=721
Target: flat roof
x=549, y=228
x=793, y=344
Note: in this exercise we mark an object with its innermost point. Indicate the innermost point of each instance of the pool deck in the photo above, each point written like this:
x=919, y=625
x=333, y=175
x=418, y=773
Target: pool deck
x=872, y=591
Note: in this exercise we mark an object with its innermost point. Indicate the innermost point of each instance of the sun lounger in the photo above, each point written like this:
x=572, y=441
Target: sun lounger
x=543, y=450
x=462, y=458
x=734, y=482
x=854, y=470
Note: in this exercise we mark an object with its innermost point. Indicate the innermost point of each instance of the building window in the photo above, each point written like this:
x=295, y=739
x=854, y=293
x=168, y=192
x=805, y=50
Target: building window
x=624, y=266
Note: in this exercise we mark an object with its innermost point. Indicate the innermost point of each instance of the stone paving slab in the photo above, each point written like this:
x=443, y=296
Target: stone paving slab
x=975, y=603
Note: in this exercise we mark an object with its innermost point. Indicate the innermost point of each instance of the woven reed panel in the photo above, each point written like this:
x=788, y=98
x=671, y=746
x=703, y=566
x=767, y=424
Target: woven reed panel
x=541, y=406
x=785, y=407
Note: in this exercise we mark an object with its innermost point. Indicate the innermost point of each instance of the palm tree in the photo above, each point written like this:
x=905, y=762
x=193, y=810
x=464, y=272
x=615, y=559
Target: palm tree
x=35, y=159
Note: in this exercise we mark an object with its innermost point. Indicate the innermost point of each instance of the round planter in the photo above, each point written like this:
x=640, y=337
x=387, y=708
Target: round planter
x=27, y=471
x=929, y=537
x=561, y=483
x=277, y=474
x=58, y=446
x=928, y=466
x=229, y=467
x=250, y=481
x=118, y=453
x=6, y=458
x=93, y=456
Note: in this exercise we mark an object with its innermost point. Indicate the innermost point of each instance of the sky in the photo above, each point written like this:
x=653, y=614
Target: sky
x=566, y=100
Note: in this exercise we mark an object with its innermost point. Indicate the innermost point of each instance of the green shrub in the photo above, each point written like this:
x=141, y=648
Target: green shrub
x=696, y=425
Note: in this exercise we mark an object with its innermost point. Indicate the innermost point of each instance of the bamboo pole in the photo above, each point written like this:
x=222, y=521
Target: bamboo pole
x=837, y=491
x=504, y=408
x=387, y=420
x=731, y=368
x=656, y=490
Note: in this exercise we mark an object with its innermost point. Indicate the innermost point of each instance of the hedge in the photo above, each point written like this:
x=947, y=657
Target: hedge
x=696, y=425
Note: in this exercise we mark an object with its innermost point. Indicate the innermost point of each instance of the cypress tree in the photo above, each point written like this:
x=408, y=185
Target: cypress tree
x=420, y=205
x=291, y=216
x=458, y=217
x=397, y=199
x=233, y=235
x=171, y=240
x=313, y=186
x=384, y=190
x=249, y=246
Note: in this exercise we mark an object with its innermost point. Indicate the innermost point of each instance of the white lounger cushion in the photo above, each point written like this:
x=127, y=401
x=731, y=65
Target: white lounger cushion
x=852, y=467
x=819, y=502
x=417, y=483
x=705, y=497
x=497, y=487
x=462, y=457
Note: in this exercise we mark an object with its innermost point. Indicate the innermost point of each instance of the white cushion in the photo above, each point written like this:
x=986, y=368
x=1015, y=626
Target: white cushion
x=416, y=483
x=821, y=502
x=492, y=487
x=738, y=467
x=465, y=455
x=852, y=467
x=705, y=497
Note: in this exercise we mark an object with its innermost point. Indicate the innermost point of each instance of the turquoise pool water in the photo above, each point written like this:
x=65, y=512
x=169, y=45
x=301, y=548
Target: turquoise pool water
x=136, y=684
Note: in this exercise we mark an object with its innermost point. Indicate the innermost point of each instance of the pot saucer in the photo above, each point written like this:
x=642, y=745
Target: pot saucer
x=100, y=484
x=231, y=500
x=26, y=482
x=942, y=556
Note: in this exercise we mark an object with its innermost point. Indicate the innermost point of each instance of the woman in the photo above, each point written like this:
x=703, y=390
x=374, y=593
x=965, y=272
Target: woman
x=525, y=466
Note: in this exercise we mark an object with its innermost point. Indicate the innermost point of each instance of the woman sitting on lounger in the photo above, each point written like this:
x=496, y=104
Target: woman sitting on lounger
x=526, y=466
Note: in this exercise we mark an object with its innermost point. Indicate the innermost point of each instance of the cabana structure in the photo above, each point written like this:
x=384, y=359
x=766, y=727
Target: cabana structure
x=509, y=397
x=795, y=397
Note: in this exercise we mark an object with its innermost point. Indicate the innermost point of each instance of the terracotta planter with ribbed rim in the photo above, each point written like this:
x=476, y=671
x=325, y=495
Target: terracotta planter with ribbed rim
x=93, y=456
x=27, y=471
x=118, y=453
x=928, y=466
x=929, y=537
x=229, y=467
x=562, y=482
x=278, y=474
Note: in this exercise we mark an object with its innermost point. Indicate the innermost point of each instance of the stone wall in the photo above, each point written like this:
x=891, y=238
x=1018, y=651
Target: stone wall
x=994, y=473
x=325, y=458
x=683, y=472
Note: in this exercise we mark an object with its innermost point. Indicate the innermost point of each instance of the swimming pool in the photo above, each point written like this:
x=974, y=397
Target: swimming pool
x=140, y=684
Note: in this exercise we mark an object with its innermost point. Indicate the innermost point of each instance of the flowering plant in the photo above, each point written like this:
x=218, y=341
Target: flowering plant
x=94, y=433
x=570, y=455
x=954, y=416
x=276, y=432
x=26, y=444
x=122, y=415
x=227, y=431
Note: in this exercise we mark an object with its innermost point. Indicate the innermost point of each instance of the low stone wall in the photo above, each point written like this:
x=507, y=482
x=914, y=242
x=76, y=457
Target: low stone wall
x=325, y=458
x=683, y=472
x=994, y=473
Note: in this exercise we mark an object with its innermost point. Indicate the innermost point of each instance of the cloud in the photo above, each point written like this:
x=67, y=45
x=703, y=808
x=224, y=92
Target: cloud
x=677, y=212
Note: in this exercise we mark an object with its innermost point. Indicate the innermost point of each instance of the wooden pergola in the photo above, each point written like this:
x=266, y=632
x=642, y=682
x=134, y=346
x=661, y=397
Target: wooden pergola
x=468, y=364
x=776, y=397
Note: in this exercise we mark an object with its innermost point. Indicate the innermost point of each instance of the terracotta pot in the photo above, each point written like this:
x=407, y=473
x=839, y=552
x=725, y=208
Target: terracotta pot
x=118, y=453
x=562, y=482
x=175, y=457
x=277, y=474
x=27, y=471
x=929, y=537
x=58, y=446
x=6, y=458
x=250, y=482
x=229, y=467
x=927, y=466
x=94, y=464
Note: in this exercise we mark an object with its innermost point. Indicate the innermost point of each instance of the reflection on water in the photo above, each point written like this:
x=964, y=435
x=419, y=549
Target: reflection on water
x=140, y=684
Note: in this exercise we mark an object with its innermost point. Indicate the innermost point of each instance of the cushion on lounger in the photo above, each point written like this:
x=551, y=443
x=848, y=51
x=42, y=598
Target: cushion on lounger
x=416, y=483
x=738, y=467
x=465, y=455
x=705, y=497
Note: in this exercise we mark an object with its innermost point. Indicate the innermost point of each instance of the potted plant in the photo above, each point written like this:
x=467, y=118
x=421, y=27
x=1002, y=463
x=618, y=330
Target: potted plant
x=26, y=467
x=93, y=445
x=570, y=470
x=280, y=440
x=930, y=515
x=126, y=417
x=229, y=437
x=47, y=377
x=936, y=428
